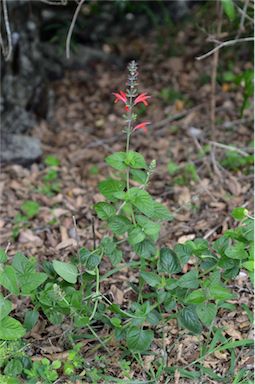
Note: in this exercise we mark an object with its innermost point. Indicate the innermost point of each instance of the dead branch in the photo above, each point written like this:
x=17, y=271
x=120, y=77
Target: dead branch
x=70, y=31
x=225, y=44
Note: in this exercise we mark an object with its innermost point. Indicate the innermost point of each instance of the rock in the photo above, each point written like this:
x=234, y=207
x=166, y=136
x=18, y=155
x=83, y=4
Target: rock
x=20, y=149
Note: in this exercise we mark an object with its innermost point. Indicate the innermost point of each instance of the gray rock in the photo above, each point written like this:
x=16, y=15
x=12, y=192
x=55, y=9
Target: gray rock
x=20, y=149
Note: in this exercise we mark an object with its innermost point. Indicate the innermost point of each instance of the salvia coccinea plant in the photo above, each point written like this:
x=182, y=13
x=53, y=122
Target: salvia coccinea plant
x=165, y=283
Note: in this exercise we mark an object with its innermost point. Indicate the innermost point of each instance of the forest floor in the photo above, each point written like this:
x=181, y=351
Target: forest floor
x=86, y=126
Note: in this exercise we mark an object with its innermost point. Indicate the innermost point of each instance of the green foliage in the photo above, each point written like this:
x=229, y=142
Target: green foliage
x=234, y=161
x=184, y=174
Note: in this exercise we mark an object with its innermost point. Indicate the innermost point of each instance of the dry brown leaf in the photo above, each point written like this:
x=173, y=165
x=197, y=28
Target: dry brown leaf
x=66, y=244
x=28, y=237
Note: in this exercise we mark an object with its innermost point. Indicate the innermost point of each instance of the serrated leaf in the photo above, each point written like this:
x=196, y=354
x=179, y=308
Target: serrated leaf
x=218, y=292
x=237, y=251
x=8, y=279
x=11, y=329
x=31, y=318
x=115, y=257
x=183, y=253
x=196, y=297
x=161, y=212
x=135, y=236
x=67, y=271
x=139, y=340
x=151, y=278
x=145, y=249
x=168, y=261
x=206, y=313
x=22, y=264
x=141, y=200
x=110, y=186
x=138, y=176
x=117, y=160
x=119, y=224
x=189, y=319
x=30, y=281
x=92, y=261
x=5, y=307
x=3, y=256
x=104, y=210
x=149, y=227
x=189, y=280
x=135, y=160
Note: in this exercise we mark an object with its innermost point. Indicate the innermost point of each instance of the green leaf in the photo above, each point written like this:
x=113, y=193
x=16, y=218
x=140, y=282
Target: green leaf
x=8, y=279
x=168, y=261
x=229, y=9
x=145, y=249
x=14, y=367
x=196, y=297
x=188, y=318
x=239, y=213
x=30, y=281
x=135, y=236
x=149, y=227
x=237, y=251
x=138, y=176
x=172, y=167
x=22, y=264
x=115, y=257
x=67, y=271
x=51, y=161
x=104, y=210
x=5, y=307
x=161, y=212
x=3, y=256
x=31, y=318
x=92, y=261
x=109, y=187
x=183, y=253
x=141, y=200
x=151, y=278
x=11, y=329
x=117, y=160
x=135, y=160
x=30, y=208
x=249, y=265
x=139, y=340
x=206, y=313
x=218, y=292
x=189, y=280
x=119, y=224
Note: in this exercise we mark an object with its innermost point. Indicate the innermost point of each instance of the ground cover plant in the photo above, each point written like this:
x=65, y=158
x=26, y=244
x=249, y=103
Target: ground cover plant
x=187, y=282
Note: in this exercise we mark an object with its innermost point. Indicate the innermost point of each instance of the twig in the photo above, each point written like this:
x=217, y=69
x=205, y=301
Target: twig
x=243, y=13
x=225, y=44
x=229, y=147
x=8, y=32
x=214, y=70
x=70, y=31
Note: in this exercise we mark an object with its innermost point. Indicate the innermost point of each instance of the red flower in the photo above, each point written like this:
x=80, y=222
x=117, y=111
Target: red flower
x=120, y=97
x=142, y=99
x=142, y=126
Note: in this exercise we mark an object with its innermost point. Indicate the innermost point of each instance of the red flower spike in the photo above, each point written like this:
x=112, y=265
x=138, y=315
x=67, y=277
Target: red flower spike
x=121, y=96
x=142, y=126
x=142, y=99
